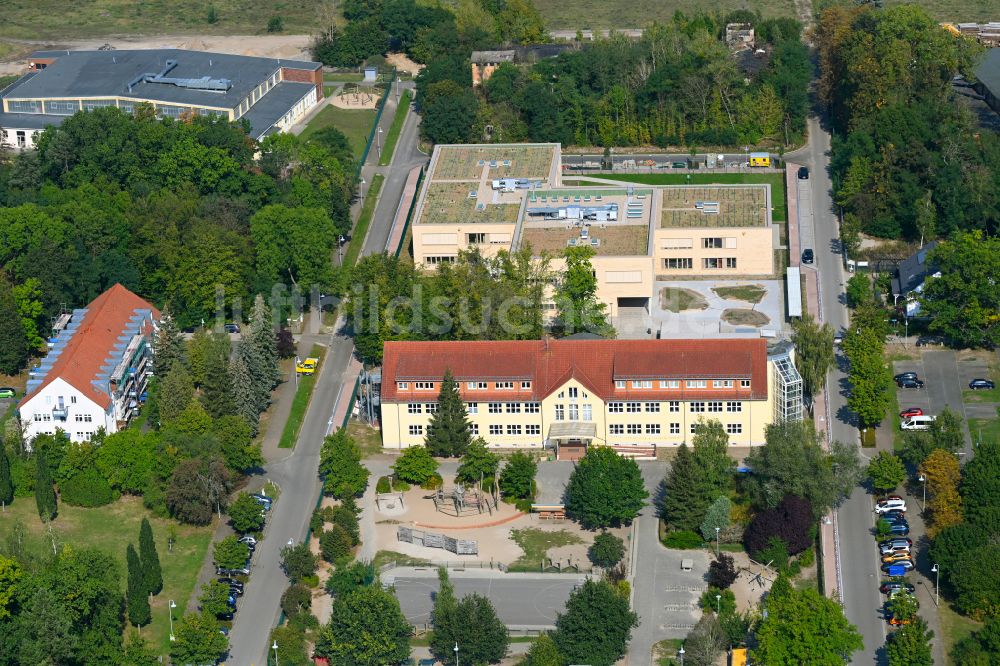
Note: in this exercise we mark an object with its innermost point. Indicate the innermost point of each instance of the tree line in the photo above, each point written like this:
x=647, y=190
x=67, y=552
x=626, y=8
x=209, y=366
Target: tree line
x=908, y=160
x=171, y=209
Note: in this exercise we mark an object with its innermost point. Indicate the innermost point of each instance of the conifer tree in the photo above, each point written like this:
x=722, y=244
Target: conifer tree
x=45, y=494
x=6, y=483
x=168, y=345
x=684, y=503
x=149, y=559
x=449, y=432
x=244, y=393
x=136, y=597
x=262, y=340
x=216, y=388
x=175, y=392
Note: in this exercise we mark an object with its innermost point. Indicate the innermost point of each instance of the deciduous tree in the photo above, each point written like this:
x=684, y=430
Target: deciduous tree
x=594, y=604
x=944, y=503
x=607, y=550
x=245, y=514
x=814, y=353
x=335, y=544
x=298, y=562
x=791, y=521
x=478, y=463
x=229, y=553
x=605, y=489
x=198, y=640
x=517, y=478
x=340, y=466
x=214, y=598
x=576, y=297
x=717, y=518
x=886, y=471
x=366, y=627
x=416, y=465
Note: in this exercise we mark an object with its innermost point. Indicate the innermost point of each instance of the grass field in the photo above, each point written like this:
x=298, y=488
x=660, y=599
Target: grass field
x=364, y=220
x=775, y=180
x=751, y=293
x=110, y=529
x=676, y=299
x=301, y=402
x=985, y=430
x=536, y=543
x=594, y=14
x=367, y=438
x=356, y=124
x=392, y=136
x=955, y=627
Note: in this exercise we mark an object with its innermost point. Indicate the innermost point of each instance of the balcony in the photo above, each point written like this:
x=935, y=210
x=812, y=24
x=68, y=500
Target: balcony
x=60, y=413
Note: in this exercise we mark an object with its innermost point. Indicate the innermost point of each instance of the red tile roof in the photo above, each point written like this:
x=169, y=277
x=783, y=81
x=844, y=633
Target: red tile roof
x=549, y=364
x=91, y=345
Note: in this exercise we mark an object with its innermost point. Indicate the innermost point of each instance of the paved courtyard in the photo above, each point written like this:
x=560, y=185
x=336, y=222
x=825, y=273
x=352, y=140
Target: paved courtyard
x=707, y=322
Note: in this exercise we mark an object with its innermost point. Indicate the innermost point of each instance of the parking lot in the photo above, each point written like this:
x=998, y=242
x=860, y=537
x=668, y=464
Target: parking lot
x=946, y=376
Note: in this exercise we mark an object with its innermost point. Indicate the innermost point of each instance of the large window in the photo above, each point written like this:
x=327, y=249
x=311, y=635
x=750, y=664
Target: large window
x=652, y=428
x=715, y=406
x=532, y=407
x=616, y=407
x=416, y=430
x=62, y=108
x=616, y=429
x=634, y=428
x=697, y=407
x=513, y=408
x=91, y=104
x=472, y=407
x=633, y=407
x=496, y=429
x=678, y=263
x=560, y=413
x=414, y=408
x=27, y=106
x=513, y=430
x=734, y=428
x=734, y=407
x=532, y=430
x=675, y=428
x=496, y=408
x=432, y=407
x=574, y=412
x=653, y=407
x=710, y=243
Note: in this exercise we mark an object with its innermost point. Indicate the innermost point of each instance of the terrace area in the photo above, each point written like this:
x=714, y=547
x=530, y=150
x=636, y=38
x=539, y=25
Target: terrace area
x=451, y=203
x=714, y=206
x=468, y=162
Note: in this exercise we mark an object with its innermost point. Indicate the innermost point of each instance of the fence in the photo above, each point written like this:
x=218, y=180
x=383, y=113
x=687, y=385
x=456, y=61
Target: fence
x=435, y=540
x=409, y=214
x=441, y=564
x=378, y=119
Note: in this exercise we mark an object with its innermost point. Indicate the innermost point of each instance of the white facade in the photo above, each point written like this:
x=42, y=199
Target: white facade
x=60, y=406
x=19, y=139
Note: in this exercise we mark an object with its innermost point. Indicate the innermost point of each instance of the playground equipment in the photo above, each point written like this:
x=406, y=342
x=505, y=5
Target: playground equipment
x=463, y=501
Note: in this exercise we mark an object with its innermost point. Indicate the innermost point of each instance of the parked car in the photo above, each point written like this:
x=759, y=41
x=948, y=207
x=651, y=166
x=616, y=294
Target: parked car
x=262, y=498
x=224, y=631
x=905, y=375
x=233, y=584
x=980, y=384
x=895, y=621
x=896, y=557
x=803, y=173
x=232, y=328
x=890, y=585
x=910, y=383
x=890, y=504
x=899, y=529
x=927, y=340
x=249, y=540
x=808, y=256
x=911, y=411
x=243, y=571
x=907, y=565
x=895, y=546
x=922, y=422
x=228, y=617
x=7, y=392
x=838, y=339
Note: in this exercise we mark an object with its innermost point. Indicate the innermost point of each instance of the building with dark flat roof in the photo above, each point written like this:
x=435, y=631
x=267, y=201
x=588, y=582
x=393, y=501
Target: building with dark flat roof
x=988, y=75
x=271, y=94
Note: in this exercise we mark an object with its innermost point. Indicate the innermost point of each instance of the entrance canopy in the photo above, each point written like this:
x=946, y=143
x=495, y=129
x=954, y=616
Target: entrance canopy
x=573, y=430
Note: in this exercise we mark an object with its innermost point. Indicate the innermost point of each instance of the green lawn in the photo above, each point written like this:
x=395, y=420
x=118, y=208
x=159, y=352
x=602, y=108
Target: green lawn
x=775, y=180
x=110, y=529
x=356, y=124
x=955, y=627
x=383, y=557
x=368, y=438
x=392, y=136
x=985, y=429
x=347, y=77
x=536, y=543
x=751, y=293
x=364, y=220
x=301, y=402
x=676, y=299
x=991, y=395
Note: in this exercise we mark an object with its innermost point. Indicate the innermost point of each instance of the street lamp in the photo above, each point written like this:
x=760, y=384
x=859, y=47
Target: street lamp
x=170, y=614
x=456, y=653
x=923, y=480
x=380, y=143
x=717, y=547
x=340, y=249
x=937, y=579
x=398, y=79
x=274, y=646
x=361, y=192
x=680, y=653
x=718, y=604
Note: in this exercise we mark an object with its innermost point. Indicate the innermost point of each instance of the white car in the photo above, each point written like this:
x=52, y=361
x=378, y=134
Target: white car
x=891, y=504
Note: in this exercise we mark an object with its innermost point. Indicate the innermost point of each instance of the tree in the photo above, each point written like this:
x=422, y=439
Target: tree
x=214, y=598
x=850, y=234
x=605, y=489
x=543, y=652
x=136, y=652
x=576, y=297
x=125, y=459
x=722, y=571
x=886, y=471
x=340, y=466
x=450, y=431
x=944, y=503
x=6, y=482
x=13, y=339
x=683, y=503
x=814, y=355
x=981, y=482
x=45, y=494
x=416, y=465
x=979, y=648
x=29, y=299
x=793, y=462
x=963, y=303
x=149, y=560
x=976, y=585
x=235, y=439
x=229, y=553
x=298, y=562
x=244, y=394
x=245, y=514
x=176, y=392
x=448, y=112
x=478, y=463
x=517, y=478
x=710, y=450
x=366, y=628
x=216, y=389
x=945, y=433
x=594, y=604
x=869, y=377
x=137, y=595
x=472, y=621
x=705, y=642
x=198, y=640
x=607, y=550
x=903, y=606
x=792, y=521
x=296, y=601
x=716, y=523
x=262, y=359
x=859, y=290
x=168, y=346
x=803, y=627
x=293, y=243
x=520, y=22
x=335, y=544
x=197, y=489
x=345, y=579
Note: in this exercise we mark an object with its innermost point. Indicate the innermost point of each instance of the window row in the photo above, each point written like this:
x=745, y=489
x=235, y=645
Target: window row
x=676, y=383
x=672, y=428
x=687, y=263
x=584, y=412
x=716, y=406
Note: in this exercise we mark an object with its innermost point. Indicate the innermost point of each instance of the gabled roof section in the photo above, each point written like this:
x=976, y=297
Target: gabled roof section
x=89, y=349
x=549, y=364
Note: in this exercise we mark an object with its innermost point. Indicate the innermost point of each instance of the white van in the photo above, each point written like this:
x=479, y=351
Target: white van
x=922, y=422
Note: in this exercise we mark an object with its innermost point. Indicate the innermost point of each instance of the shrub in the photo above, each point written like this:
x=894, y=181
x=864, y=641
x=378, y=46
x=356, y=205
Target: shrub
x=296, y=599
x=722, y=572
x=22, y=474
x=724, y=606
x=311, y=581
x=775, y=554
x=416, y=465
x=807, y=558
x=86, y=487
x=345, y=518
x=335, y=544
x=401, y=486
x=683, y=540
x=791, y=521
x=607, y=550
x=433, y=482
x=275, y=24
x=383, y=485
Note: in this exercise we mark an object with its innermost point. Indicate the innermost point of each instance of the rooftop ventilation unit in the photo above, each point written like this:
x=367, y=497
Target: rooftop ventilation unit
x=205, y=83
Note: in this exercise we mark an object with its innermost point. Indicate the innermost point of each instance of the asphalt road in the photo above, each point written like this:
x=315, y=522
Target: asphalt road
x=519, y=599
x=296, y=475
x=858, y=561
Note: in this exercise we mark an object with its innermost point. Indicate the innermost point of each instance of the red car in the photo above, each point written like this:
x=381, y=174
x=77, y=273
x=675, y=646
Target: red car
x=911, y=411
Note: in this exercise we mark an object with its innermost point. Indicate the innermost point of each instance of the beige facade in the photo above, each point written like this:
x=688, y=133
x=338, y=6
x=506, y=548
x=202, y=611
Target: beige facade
x=724, y=252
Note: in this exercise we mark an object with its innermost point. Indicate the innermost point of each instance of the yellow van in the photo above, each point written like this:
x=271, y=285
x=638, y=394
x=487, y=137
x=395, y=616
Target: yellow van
x=307, y=367
x=760, y=159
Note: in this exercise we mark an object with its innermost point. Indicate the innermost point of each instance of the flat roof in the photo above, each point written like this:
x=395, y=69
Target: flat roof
x=743, y=205
x=613, y=239
x=87, y=74
x=26, y=121
x=450, y=203
x=988, y=71
x=271, y=107
x=471, y=162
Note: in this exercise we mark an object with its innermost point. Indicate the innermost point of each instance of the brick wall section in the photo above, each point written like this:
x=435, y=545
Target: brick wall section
x=305, y=76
